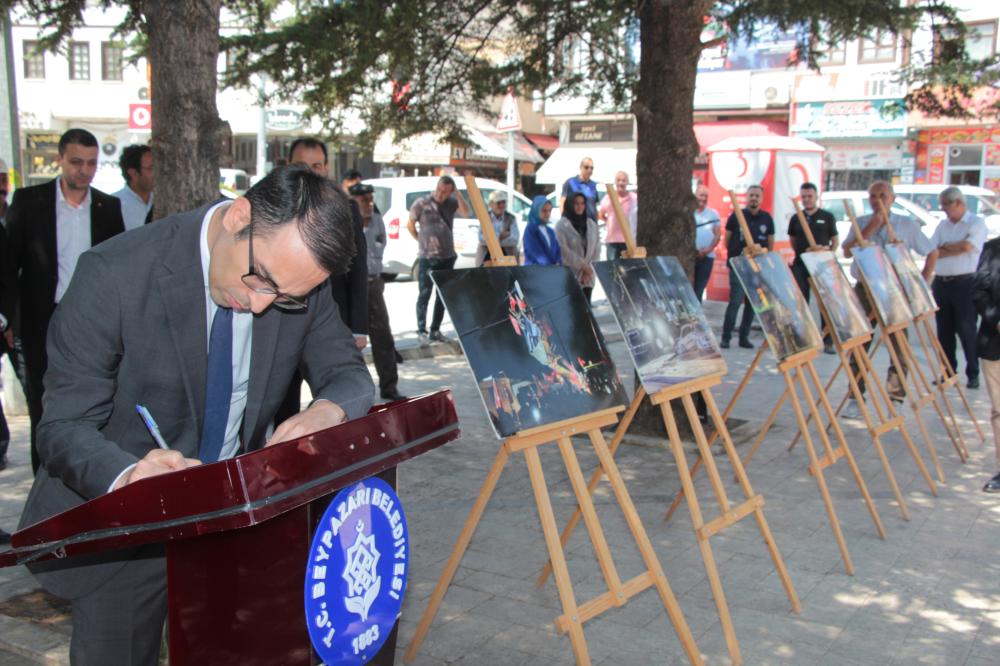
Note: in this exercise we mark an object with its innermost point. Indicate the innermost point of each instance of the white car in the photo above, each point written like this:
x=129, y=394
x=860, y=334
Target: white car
x=835, y=202
x=980, y=201
x=395, y=196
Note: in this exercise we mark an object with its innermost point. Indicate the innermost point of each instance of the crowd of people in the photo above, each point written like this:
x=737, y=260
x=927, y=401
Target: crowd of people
x=149, y=304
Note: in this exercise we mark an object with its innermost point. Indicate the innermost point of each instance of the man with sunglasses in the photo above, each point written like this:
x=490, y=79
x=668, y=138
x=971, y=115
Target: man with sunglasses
x=582, y=184
x=201, y=317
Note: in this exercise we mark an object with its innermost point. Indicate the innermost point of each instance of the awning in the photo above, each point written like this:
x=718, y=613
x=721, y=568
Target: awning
x=546, y=142
x=565, y=163
x=710, y=133
x=523, y=150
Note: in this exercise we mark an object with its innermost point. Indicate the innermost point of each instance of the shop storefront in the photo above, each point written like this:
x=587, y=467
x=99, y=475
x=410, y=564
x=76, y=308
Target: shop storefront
x=959, y=156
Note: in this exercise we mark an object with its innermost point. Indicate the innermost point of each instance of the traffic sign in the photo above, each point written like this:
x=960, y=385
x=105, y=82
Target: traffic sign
x=510, y=117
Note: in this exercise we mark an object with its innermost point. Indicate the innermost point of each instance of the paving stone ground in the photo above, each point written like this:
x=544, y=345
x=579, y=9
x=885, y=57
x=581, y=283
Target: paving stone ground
x=927, y=594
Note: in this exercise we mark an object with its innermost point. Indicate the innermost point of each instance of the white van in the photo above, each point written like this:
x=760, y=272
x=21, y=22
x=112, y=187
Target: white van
x=394, y=196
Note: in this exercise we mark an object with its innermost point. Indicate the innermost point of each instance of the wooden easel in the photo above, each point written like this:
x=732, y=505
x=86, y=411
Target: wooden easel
x=797, y=370
x=887, y=417
x=619, y=592
x=730, y=515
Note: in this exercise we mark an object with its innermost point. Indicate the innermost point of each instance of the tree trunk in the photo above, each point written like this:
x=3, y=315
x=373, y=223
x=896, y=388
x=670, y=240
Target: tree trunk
x=183, y=50
x=670, y=32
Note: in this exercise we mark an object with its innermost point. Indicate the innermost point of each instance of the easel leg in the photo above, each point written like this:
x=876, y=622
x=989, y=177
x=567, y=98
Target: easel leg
x=646, y=548
x=820, y=480
x=767, y=426
x=865, y=361
x=941, y=372
x=464, y=537
x=916, y=413
x=698, y=522
x=744, y=481
x=556, y=556
x=574, y=520
x=950, y=372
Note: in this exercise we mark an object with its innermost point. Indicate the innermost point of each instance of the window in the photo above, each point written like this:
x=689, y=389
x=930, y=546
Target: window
x=834, y=54
x=111, y=61
x=879, y=48
x=981, y=39
x=34, y=61
x=79, y=61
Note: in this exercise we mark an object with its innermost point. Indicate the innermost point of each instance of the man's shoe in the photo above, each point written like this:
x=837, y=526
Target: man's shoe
x=724, y=344
x=5, y=538
x=392, y=394
x=973, y=383
x=852, y=410
x=746, y=344
x=438, y=336
x=993, y=485
x=828, y=348
x=423, y=339
x=399, y=357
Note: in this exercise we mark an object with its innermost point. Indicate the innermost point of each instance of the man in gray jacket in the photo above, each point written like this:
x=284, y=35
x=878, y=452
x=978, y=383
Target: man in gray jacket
x=191, y=318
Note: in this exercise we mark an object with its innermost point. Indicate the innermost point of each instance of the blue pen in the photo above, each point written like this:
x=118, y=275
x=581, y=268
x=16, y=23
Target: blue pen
x=151, y=426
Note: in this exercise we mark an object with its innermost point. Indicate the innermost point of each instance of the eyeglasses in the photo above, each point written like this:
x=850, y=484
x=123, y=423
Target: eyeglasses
x=589, y=168
x=266, y=286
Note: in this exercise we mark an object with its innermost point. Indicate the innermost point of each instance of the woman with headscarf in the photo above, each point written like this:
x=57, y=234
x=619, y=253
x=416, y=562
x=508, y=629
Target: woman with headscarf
x=579, y=241
x=541, y=247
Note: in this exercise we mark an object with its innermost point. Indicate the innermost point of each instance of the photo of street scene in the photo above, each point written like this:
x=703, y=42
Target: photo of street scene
x=667, y=333
x=533, y=345
x=878, y=276
x=918, y=293
x=776, y=300
x=845, y=311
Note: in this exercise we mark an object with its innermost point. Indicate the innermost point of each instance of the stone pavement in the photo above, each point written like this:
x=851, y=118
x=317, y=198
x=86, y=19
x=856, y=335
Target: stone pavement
x=928, y=594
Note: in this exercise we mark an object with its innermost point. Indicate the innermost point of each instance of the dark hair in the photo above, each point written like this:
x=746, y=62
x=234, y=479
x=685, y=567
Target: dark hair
x=756, y=186
x=308, y=142
x=809, y=186
x=80, y=137
x=360, y=189
x=319, y=209
x=132, y=158
x=448, y=180
x=351, y=174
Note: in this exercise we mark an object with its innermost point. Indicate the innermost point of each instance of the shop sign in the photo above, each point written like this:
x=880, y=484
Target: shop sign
x=862, y=118
x=853, y=158
x=42, y=141
x=596, y=131
x=961, y=135
x=283, y=119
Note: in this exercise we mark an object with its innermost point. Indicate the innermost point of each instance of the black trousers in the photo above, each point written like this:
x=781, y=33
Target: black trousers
x=380, y=335
x=36, y=361
x=425, y=286
x=702, y=273
x=956, y=316
x=736, y=296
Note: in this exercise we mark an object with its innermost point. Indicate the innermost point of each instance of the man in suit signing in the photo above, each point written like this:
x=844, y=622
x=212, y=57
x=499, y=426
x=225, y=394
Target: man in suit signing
x=202, y=317
x=48, y=227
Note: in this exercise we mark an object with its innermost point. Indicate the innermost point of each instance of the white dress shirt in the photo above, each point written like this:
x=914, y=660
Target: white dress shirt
x=72, y=236
x=907, y=231
x=134, y=209
x=242, y=338
x=971, y=228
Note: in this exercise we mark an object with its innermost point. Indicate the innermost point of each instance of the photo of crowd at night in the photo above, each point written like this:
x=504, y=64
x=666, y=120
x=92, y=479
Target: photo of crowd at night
x=918, y=293
x=835, y=292
x=776, y=300
x=667, y=333
x=533, y=345
x=882, y=285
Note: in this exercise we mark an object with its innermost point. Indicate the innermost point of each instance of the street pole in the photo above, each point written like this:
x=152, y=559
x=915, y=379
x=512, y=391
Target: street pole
x=262, y=130
x=510, y=166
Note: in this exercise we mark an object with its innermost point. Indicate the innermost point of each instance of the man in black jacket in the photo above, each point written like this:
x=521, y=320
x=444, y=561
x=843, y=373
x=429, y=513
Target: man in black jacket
x=986, y=296
x=48, y=227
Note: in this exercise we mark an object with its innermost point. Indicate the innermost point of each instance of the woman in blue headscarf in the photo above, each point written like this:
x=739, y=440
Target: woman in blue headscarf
x=541, y=248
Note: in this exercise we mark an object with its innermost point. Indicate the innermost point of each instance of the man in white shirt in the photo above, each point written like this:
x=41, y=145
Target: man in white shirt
x=48, y=227
x=136, y=163
x=959, y=241
x=707, y=232
x=873, y=230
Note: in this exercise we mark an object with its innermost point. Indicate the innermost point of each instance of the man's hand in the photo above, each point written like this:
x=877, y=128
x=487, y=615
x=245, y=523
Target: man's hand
x=156, y=462
x=320, y=415
x=360, y=341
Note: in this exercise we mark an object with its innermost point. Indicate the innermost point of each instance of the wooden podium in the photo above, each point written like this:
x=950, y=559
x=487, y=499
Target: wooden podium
x=237, y=532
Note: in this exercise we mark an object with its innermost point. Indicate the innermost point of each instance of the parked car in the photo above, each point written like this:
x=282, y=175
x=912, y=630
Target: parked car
x=394, y=196
x=980, y=201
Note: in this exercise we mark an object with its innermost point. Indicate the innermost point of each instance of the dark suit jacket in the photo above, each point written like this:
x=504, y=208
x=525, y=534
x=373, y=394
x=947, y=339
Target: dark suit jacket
x=350, y=290
x=8, y=281
x=136, y=304
x=31, y=235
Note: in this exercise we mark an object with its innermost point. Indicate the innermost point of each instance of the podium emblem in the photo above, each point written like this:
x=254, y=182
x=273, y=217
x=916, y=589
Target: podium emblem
x=356, y=573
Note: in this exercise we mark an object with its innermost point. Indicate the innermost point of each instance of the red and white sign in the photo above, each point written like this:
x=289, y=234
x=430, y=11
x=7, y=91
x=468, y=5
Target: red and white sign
x=510, y=117
x=140, y=117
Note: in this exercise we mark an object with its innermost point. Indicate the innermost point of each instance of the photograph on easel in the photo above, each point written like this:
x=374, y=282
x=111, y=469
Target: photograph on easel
x=776, y=300
x=918, y=293
x=846, y=313
x=882, y=285
x=662, y=321
x=533, y=345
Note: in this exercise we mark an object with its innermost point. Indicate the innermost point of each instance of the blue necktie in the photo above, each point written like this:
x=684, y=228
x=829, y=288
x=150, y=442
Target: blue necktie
x=218, y=386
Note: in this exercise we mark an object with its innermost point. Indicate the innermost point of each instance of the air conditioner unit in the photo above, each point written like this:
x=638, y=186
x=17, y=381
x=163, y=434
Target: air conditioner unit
x=770, y=89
